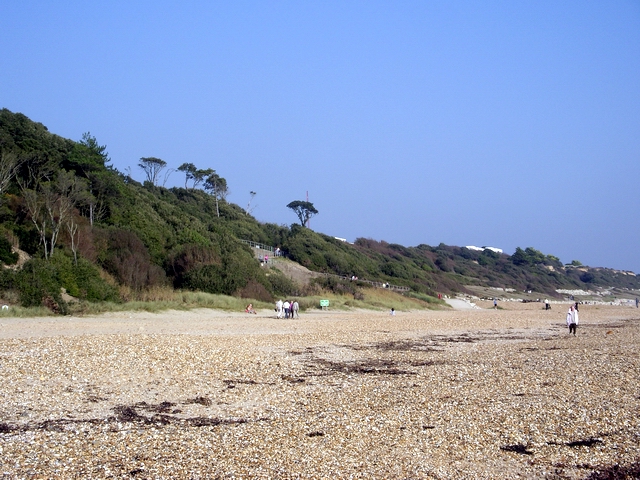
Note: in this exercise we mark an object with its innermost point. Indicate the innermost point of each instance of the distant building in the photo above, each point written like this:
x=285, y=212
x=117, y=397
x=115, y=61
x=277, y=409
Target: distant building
x=481, y=249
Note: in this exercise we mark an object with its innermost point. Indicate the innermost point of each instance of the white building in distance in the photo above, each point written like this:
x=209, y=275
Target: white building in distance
x=481, y=249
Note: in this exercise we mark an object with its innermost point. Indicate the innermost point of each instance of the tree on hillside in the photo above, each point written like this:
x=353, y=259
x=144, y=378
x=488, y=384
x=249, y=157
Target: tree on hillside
x=8, y=167
x=194, y=174
x=89, y=160
x=152, y=167
x=88, y=156
x=252, y=195
x=189, y=170
x=217, y=186
x=51, y=207
x=304, y=210
x=201, y=175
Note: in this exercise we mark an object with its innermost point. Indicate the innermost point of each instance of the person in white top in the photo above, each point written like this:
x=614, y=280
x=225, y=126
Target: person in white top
x=279, y=309
x=286, y=305
x=294, y=309
x=572, y=320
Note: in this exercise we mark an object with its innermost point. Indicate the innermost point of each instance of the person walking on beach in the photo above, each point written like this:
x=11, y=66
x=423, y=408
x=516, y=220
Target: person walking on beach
x=572, y=320
x=294, y=309
x=286, y=305
x=495, y=303
x=636, y=302
x=279, y=309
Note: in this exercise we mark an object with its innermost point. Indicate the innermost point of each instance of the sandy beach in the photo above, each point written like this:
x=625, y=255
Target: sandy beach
x=437, y=394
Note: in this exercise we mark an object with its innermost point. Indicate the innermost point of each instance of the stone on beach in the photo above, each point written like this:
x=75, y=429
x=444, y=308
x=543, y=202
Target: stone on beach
x=434, y=394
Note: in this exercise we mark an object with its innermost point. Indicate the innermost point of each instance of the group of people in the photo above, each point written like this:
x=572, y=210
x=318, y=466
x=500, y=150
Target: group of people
x=287, y=308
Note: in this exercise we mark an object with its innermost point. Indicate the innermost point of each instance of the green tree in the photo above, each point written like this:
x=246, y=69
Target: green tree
x=303, y=210
x=529, y=256
x=51, y=205
x=7, y=256
x=88, y=159
x=201, y=175
x=152, y=167
x=519, y=257
x=587, y=277
x=8, y=167
x=189, y=170
x=217, y=186
x=535, y=256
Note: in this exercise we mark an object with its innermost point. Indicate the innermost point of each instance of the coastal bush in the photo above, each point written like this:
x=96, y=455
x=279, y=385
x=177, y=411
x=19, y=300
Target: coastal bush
x=91, y=285
x=337, y=286
x=186, y=258
x=425, y=298
x=128, y=260
x=7, y=279
x=38, y=284
x=27, y=238
x=281, y=285
x=82, y=280
x=587, y=277
x=255, y=290
x=7, y=256
x=204, y=278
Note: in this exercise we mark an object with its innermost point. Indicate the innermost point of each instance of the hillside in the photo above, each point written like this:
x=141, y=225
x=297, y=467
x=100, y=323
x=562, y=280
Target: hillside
x=103, y=236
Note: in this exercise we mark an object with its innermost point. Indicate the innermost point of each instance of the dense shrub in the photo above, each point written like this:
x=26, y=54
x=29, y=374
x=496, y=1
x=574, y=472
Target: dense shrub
x=188, y=257
x=444, y=263
x=37, y=284
x=83, y=280
x=205, y=278
x=338, y=286
x=587, y=277
x=281, y=285
x=7, y=279
x=128, y=260
x=254, y=289
x=424, y=298
x=28, y=239
x=6, y=255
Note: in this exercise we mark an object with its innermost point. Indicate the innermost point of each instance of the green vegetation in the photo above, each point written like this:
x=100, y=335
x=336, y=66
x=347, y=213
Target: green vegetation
x=303, y=210
x=108, y=241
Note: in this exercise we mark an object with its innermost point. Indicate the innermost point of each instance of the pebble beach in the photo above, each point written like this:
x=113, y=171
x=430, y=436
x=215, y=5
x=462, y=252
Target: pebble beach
x=480, y=393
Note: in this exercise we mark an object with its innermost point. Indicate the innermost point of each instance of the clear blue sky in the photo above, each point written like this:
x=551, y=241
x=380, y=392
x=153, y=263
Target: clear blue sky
x=502, y=123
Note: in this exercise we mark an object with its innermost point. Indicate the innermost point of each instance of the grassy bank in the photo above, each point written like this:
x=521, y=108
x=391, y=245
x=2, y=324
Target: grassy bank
x=161, y=299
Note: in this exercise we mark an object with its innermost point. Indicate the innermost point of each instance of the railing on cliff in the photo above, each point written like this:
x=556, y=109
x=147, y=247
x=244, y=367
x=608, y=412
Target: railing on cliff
x=259, y=250
x=260, y=246
x=387, y=285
